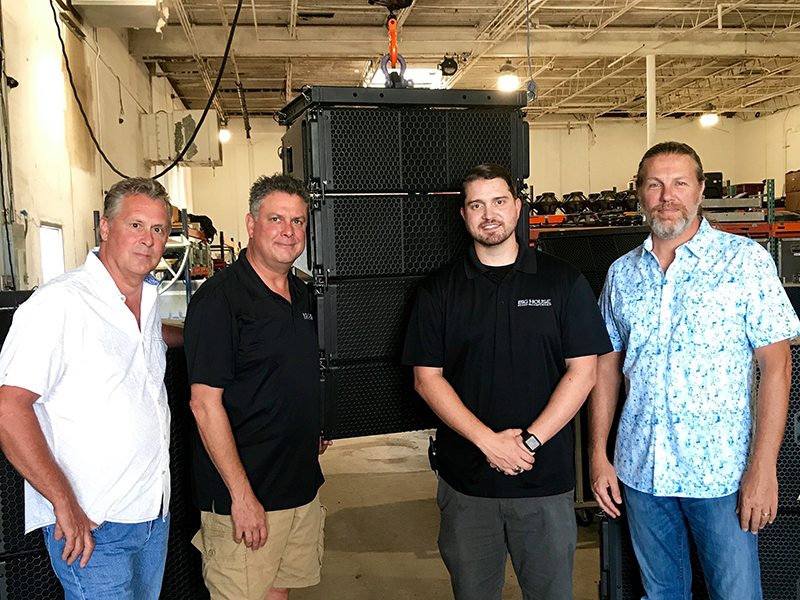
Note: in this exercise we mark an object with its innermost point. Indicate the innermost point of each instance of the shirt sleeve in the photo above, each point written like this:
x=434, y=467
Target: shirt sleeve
x=210, y=340
x=33, y=355
x=770, y=317
x=607, y=312
x=424, y=345
x=582, y=330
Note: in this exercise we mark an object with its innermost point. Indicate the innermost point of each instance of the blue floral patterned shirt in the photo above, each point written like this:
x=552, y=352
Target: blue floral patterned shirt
x=688, y=338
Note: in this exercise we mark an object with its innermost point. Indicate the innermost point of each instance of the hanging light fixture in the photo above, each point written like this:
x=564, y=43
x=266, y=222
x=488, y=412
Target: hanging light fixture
x=710, y=117
x=508, y=80
x=224, y=132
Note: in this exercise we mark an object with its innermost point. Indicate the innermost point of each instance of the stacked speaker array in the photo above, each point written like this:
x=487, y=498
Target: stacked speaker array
x=778, y=548
x=25, y=570
x=386, y=167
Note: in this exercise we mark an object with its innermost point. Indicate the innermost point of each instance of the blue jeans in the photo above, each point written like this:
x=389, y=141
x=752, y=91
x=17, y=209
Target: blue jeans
x=660, y=533
x=127, y=562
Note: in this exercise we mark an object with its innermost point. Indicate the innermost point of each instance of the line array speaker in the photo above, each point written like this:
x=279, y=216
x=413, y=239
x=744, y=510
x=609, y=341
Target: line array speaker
x=387, y=166
x=362, y=140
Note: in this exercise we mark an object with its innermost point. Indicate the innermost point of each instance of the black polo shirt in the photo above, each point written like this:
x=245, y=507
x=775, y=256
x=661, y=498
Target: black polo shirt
x=502, y=344
x=263, y=352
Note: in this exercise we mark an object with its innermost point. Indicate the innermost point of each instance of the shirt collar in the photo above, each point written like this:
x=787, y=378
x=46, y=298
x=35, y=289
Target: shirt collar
x=698, y=245
x=525, y=261
x=98, y=270
x=253, y=281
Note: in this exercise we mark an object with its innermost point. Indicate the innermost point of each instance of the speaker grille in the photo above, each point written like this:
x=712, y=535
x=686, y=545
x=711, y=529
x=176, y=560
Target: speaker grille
x=372, y=316
x=779, y=553
x=29, y=577
x=424, y=154
x=433, y=232
x=12, y=514
x=183, y=575
x=176, y=379
x=592, y=252
x=378, y=397
x=367, y=230
x=789, y=455
x=365, y=149
x=480, y=136
x=381, y=149
x=376, y=235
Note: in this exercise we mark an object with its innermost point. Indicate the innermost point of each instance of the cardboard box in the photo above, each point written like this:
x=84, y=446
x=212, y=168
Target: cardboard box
x=793, y=201
x=792, y=182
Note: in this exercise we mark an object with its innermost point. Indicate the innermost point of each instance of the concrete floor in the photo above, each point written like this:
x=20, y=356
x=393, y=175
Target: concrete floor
x=382, y=525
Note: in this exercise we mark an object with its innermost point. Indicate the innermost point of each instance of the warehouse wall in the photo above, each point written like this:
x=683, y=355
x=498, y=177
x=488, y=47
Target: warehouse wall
x=56, y=173
x=606, y=155
x=222, y=193
x=769, y=147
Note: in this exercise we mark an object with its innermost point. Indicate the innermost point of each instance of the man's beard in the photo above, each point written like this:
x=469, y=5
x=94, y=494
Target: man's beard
x=670, y=229
x=495, y=238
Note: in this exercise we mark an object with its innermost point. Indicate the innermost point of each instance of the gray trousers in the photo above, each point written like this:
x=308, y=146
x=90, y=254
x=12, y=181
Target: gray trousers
x=477, y=534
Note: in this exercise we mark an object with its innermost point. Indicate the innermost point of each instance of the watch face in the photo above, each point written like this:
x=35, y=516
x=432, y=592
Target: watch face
x=531, y=442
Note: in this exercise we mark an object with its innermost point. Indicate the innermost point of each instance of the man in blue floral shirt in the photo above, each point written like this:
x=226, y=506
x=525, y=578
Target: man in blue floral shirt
x=686, y=312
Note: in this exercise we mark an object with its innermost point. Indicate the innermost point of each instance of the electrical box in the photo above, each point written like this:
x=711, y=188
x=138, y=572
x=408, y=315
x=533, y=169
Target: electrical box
x=166, y=134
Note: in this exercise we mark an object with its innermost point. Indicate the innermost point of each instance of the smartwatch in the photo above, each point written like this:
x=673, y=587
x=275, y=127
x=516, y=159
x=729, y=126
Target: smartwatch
x=531, y=442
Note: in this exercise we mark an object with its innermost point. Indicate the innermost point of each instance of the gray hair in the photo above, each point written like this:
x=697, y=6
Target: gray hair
x=264, y=186
x=112, y=204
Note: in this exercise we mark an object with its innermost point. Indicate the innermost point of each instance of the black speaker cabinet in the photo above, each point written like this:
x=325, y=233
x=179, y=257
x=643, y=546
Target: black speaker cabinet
x=778, y=552
x=592, y=250
x=789, y=454
x=385, y=168
x=405, y=140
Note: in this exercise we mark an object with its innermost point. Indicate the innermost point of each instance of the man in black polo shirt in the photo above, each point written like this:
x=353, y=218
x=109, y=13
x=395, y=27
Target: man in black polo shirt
x=504, y=344
x=252, y=353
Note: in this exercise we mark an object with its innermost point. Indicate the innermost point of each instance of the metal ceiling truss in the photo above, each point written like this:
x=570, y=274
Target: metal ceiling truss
x=587, y=55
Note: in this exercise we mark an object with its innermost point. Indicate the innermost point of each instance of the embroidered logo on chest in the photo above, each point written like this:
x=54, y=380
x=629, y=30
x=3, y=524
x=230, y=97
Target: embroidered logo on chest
x=308, y=316
x=535, y=302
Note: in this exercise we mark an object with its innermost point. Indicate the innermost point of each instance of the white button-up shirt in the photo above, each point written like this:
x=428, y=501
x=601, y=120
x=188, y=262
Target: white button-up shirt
x=102, y=400
x=688, y=338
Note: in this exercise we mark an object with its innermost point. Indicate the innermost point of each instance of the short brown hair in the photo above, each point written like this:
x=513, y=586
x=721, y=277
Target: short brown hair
x=488, y=171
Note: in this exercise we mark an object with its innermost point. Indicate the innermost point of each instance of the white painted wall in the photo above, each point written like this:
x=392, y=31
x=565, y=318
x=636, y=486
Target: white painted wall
x=592, y=159
x=222, y=193
x=57, y=174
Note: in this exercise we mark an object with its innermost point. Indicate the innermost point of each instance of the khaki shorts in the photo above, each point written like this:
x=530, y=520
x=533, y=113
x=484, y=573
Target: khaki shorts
x=291, y=558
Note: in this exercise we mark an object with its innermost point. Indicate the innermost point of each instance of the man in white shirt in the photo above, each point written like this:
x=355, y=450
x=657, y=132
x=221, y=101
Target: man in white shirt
x=83, y=406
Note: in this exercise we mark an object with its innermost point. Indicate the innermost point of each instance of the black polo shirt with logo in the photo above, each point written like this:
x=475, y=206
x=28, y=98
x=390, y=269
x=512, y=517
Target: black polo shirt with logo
x=262, y=351
x=502, y=339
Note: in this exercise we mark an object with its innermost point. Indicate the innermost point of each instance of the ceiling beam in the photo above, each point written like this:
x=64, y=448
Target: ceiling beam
x=628, y=6
x=366, y=43
x=293, y=19
x=190, y=40
x=404, y=14
x=727, y=90
x=722, y=11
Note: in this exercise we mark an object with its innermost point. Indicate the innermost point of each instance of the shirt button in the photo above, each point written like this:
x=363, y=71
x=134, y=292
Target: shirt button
x=502, y=302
